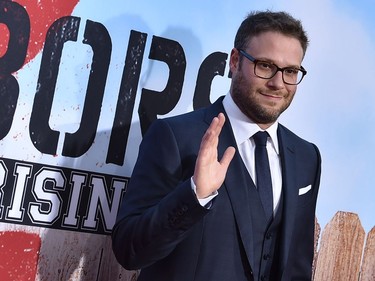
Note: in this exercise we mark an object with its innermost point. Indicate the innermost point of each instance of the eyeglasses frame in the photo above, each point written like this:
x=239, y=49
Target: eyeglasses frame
x=255, y=61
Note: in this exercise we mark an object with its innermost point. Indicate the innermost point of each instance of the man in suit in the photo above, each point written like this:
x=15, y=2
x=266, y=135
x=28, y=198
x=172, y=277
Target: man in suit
x=194, y=209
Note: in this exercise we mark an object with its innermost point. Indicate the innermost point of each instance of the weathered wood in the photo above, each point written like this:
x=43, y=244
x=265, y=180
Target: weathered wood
x=340, y=251
x=316, y=238
x=368, y=264
x=68, y=255
x=110, y=268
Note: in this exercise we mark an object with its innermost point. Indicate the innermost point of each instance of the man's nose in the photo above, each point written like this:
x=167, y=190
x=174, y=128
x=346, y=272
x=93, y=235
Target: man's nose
x=277, y=81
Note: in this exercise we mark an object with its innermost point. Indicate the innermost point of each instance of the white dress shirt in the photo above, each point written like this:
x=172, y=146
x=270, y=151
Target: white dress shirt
x=243, y=129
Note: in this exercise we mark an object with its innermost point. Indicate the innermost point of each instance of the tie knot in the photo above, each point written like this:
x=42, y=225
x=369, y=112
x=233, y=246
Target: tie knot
x=260, y=138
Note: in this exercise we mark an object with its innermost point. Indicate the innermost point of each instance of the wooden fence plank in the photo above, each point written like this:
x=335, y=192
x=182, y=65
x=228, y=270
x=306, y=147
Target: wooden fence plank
x=368, y=264
x=316, y=238
x=340, y=250
x=111, y=269
x=73, y=256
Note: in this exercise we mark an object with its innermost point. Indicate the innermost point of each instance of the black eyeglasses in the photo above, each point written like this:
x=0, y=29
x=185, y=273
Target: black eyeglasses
x=267, y=70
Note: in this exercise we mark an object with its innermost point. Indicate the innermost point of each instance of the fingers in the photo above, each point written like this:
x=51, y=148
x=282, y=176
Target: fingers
x=208, y=148
x=227, y=157
x=210, y=172
x=220, y=123
x=213, y=134
x=213, y=131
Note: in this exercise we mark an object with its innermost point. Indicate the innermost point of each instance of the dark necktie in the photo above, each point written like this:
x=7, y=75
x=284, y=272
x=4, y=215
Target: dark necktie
x=263, y=174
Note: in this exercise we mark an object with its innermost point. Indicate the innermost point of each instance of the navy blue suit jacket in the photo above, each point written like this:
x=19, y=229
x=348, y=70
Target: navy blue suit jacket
x=162, y=229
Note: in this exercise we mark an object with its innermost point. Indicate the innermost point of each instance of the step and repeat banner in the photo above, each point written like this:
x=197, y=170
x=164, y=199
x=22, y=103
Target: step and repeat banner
x=81, y=81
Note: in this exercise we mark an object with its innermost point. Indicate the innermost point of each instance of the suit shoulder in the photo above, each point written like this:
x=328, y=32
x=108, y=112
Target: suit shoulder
x=201, y=115
x=294, y=138
x=186, y=125
x=191, y=116
x=190, y=121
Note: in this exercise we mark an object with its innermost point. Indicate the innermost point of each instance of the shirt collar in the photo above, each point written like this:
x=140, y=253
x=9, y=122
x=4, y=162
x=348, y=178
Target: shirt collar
x=243, y=127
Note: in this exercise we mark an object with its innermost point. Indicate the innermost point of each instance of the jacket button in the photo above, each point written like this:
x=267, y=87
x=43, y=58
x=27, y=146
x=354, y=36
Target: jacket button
x=266, y=256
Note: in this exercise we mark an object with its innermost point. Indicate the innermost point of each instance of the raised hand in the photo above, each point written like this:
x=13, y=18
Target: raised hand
x=209, y=173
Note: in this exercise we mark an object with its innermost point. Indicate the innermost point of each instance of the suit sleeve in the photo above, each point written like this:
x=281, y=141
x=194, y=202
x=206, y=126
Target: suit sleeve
x=159, y=207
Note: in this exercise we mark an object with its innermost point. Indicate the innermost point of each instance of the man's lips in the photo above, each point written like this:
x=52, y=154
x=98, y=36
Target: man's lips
x=271, y=96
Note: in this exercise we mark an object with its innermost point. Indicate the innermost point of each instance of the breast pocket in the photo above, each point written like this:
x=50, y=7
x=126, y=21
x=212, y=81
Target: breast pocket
x=304, y=190
x=305, y=195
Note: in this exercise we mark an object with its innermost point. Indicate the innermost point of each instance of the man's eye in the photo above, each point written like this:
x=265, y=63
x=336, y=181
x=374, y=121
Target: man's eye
x=291, y=71
x=264, y=65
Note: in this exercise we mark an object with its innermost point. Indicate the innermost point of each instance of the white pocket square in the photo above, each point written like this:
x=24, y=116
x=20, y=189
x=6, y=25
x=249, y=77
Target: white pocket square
x=304, y=190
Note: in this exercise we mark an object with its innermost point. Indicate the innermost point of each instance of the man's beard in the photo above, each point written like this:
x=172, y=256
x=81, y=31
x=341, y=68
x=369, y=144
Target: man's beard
x=246, y=101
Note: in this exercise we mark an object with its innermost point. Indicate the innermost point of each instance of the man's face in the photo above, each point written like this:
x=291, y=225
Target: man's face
x=263, y=100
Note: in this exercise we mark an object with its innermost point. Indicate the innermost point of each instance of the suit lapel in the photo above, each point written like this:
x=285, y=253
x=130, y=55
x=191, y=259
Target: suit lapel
x=290, y=195
x=237, y=182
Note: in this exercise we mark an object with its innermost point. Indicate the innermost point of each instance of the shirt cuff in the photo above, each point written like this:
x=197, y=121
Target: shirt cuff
x=204, y=202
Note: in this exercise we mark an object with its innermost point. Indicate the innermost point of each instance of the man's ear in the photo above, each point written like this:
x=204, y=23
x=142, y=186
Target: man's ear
x=234, y=61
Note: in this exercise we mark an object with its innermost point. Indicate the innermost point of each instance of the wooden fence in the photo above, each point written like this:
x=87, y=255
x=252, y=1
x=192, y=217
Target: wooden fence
x=343, y=253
